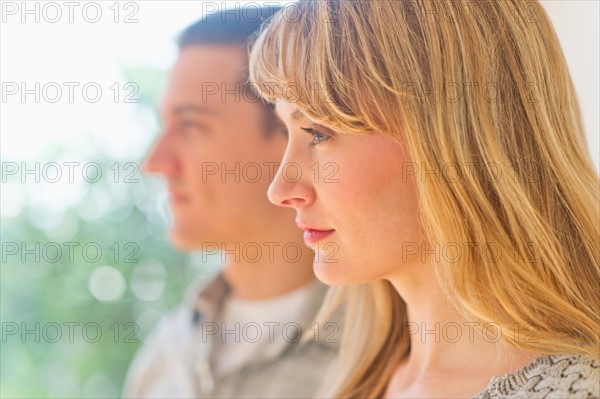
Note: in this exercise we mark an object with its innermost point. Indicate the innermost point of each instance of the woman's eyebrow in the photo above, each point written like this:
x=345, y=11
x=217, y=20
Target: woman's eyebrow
x=297, y=115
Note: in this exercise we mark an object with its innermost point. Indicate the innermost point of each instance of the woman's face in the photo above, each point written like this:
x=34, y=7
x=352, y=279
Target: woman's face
x=357, y=207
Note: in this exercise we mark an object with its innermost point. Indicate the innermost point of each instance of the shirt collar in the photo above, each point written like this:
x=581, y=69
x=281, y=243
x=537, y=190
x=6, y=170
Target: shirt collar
x=206, y=297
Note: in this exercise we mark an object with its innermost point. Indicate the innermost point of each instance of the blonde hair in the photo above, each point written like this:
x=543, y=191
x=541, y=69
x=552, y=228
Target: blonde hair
x=360, y=67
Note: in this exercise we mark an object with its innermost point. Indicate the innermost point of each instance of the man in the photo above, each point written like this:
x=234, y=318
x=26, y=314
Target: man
x=243, y=333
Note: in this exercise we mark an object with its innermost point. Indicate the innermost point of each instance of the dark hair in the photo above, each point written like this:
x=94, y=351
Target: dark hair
x=227, y=26
x=234, y=26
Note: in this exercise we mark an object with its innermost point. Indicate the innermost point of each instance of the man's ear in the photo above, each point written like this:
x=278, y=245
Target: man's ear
x=280, y=129
x=273, y=125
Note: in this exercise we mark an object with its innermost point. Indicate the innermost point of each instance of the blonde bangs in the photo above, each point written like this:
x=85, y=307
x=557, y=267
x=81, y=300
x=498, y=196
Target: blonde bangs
x=283, y=59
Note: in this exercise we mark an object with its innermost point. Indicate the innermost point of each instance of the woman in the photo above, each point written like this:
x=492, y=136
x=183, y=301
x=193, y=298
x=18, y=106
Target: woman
x=446, y=183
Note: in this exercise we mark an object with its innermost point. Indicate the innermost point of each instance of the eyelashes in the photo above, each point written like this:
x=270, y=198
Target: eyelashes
x=317, y=137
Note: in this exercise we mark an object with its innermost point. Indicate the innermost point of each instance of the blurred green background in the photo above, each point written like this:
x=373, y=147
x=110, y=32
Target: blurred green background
x=120, y=294
x=139, y=276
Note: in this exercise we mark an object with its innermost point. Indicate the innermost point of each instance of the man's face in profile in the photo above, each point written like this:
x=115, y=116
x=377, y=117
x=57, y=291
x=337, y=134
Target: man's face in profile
x=214, y=150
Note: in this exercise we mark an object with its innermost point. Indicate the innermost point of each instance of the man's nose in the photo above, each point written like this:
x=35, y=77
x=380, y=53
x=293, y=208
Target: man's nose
x=161, y=158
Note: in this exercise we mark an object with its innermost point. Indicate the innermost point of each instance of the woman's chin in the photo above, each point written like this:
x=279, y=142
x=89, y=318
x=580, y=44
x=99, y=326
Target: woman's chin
x=332, y=273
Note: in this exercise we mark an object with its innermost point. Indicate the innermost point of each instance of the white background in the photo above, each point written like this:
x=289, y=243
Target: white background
x=84, y=52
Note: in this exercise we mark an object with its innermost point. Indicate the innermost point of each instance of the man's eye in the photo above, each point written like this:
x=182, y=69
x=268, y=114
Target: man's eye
x=193, y=126
x=318, y=137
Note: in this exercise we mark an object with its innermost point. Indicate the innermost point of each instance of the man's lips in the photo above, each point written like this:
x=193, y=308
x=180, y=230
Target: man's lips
x=313, y=234
x=178, y=198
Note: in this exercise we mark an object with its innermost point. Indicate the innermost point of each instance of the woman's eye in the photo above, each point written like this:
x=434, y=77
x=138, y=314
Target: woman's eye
x=318, y=138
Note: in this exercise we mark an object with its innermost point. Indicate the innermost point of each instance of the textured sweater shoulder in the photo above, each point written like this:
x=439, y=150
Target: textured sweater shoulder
x=549, y=377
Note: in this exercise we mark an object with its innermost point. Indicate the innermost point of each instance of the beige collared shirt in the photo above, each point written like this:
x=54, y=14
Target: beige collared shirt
x=176, y=358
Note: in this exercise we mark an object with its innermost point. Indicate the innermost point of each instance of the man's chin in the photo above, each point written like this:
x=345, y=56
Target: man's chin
x=185, y=241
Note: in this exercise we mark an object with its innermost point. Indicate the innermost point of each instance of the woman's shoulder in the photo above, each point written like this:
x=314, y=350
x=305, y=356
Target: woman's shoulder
x=549, y=376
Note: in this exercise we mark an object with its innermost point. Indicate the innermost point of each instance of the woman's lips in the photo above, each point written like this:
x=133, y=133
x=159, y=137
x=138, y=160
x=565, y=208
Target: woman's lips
x=311, y=237
x=313, y=234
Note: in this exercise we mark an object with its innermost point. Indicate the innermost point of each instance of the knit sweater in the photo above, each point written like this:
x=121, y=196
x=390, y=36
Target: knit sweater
x=549, y=377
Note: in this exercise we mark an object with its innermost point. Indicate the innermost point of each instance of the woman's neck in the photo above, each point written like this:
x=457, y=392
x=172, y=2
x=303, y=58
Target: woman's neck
x=445, y=344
